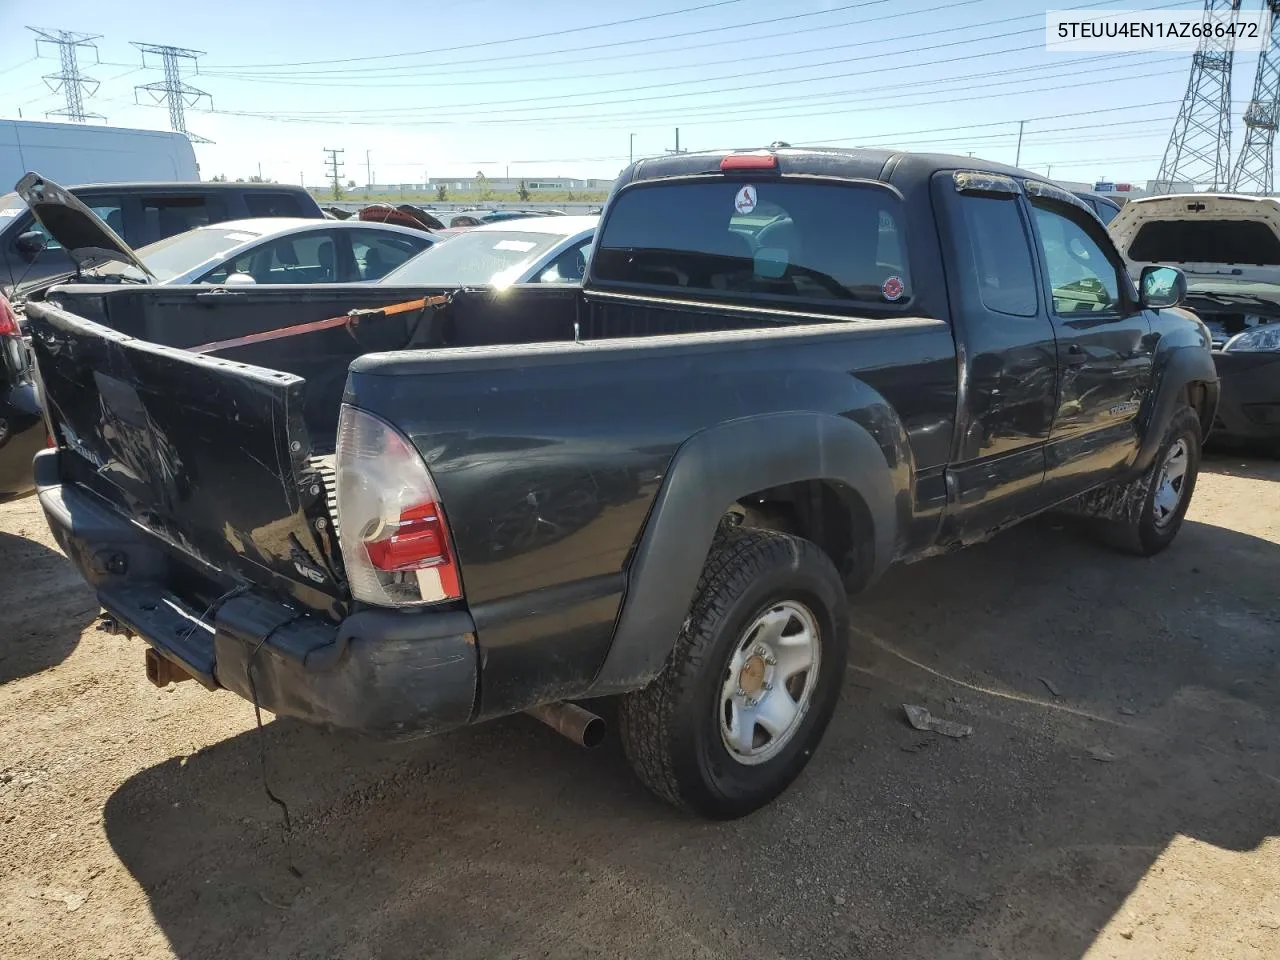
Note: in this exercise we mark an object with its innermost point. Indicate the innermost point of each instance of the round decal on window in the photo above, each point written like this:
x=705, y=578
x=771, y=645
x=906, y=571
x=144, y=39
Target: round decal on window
x=745, y=201
x=893, y=288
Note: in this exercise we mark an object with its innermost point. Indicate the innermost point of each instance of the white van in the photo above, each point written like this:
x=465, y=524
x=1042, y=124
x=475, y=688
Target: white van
x=74, y=153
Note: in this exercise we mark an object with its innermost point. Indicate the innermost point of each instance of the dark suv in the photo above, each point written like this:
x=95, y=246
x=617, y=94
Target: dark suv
x=141, y=213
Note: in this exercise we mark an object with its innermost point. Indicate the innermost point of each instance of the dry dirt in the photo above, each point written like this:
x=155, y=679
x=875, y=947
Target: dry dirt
x=1120, y=797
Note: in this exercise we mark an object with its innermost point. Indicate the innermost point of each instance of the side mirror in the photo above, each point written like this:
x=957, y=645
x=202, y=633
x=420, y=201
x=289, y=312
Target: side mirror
x=1161, y=287
x=31, y=243
x=239, y=280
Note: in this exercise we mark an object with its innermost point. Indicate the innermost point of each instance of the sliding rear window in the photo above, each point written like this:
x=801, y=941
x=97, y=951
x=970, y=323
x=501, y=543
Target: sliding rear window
x=781, y=240
x=1206, y=241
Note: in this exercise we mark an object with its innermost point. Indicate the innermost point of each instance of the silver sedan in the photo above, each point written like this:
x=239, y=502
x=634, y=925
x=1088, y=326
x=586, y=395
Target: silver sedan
x=279, y=250
x=536, y=250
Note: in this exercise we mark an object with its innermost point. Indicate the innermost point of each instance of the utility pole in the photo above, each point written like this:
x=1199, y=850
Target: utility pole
x=631, y=151
x=677, y=149
x=1018, y=156
x=368, y=170
x=1199, y=150
x=335, y=171
x=172, y=90
x=69, y=81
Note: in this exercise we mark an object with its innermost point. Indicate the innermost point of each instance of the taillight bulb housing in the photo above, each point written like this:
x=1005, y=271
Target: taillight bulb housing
x=391, y=525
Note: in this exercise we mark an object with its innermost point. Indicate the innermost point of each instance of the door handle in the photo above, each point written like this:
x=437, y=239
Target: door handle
x=1075, y=356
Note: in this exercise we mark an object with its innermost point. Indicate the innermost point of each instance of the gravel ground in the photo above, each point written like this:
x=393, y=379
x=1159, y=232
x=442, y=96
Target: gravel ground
x=1120, y=796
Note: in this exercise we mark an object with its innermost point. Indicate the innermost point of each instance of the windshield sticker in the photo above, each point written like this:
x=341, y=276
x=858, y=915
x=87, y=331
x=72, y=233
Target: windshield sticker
x=892, y=289
x=241, y=237
x=520, y=246
x=745, y=201
x=12, y=211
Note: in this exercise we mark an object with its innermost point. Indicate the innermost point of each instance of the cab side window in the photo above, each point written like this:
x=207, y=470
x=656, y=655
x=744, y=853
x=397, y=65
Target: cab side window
x=1082, y=278
x=1001, y=255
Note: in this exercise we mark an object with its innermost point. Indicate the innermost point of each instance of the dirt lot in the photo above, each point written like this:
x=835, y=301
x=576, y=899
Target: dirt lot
x=1120, y=797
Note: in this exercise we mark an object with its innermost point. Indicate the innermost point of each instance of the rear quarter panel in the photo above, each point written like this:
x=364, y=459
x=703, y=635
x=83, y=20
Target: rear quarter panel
x=548, y=459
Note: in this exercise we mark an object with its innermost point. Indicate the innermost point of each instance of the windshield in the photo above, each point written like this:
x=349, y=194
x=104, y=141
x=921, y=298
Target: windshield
x=175, y=255
x=477, y=258
x=773, y=239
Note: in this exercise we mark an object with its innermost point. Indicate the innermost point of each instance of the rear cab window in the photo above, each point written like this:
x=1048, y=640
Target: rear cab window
x=164, y=216
x=799, y=243
x=264, y=203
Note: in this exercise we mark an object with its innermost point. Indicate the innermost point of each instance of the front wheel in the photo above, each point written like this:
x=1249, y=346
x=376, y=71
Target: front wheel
x=1165, y=490
x=751, y=684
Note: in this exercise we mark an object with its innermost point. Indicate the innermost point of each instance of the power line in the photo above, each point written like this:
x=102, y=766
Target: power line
x=504, y=106
x=447, y=65
x=381, y=83
x=562, y=121
x=493, y=43
x=172, y=90
x=70, y=81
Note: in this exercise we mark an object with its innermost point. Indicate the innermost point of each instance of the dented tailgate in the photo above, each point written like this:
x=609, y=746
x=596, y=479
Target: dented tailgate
x=208, y=454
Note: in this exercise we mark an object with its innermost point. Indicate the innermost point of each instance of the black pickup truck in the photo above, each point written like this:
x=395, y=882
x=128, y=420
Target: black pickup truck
x=786, y=370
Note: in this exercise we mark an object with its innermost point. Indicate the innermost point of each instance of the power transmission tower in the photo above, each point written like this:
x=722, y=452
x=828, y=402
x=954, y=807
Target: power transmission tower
x=1254, y=171
x=172, y=90
x=1199, y=150
x=335, y=170
x=70, y=82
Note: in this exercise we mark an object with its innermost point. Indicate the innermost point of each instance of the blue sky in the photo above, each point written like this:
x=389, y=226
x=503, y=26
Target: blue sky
x=441, y=88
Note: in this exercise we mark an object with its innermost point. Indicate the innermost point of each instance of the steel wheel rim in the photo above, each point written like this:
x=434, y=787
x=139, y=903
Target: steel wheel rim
x=769, y=682
x=1171, y=483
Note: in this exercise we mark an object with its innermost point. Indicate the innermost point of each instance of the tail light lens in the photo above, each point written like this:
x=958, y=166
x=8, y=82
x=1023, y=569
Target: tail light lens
x=395, y=540
x=8, y=319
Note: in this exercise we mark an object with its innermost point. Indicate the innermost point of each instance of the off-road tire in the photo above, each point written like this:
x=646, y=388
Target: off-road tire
x=669, y=729
x=1140, y=534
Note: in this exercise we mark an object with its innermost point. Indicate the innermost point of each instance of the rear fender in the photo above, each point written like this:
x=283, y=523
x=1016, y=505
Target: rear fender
x=710, y=472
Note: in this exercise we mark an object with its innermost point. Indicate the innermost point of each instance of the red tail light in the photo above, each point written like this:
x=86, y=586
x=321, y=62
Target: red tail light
x=392, y=529
x=8, y=320
x=749, y=161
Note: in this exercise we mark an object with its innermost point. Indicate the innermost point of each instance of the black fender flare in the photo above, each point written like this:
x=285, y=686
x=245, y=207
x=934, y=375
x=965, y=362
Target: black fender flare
x=1176, y=368
x=709, y=472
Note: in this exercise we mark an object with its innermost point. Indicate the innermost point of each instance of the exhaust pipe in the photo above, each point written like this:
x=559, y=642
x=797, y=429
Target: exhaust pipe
x=161, y=671
x=570, y=720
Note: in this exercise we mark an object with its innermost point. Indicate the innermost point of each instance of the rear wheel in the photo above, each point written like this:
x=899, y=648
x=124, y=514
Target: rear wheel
x=752, y=681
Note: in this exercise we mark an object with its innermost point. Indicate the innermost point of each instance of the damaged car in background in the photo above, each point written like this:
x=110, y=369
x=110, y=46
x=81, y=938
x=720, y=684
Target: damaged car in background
x=1229, y=249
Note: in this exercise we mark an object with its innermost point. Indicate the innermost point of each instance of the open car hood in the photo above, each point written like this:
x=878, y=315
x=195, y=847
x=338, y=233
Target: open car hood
x=87, y=240
x=1206, y=234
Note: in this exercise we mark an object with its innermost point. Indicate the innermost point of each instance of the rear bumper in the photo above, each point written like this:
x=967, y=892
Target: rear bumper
x=378, y=672
x=1249, y=406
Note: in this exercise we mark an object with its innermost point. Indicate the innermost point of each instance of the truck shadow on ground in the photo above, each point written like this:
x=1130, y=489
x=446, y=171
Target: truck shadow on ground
x=504, y=841
x=1241, y=463
x=33, y=581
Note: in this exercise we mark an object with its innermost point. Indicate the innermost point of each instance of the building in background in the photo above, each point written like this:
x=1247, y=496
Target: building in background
x=494, y=184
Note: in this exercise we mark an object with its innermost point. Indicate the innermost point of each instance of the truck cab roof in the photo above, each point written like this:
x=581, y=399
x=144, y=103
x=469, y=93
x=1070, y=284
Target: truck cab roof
x=850, y=163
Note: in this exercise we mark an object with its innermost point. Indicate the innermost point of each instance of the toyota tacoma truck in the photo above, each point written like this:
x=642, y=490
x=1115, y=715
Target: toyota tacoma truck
x=786, y=370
